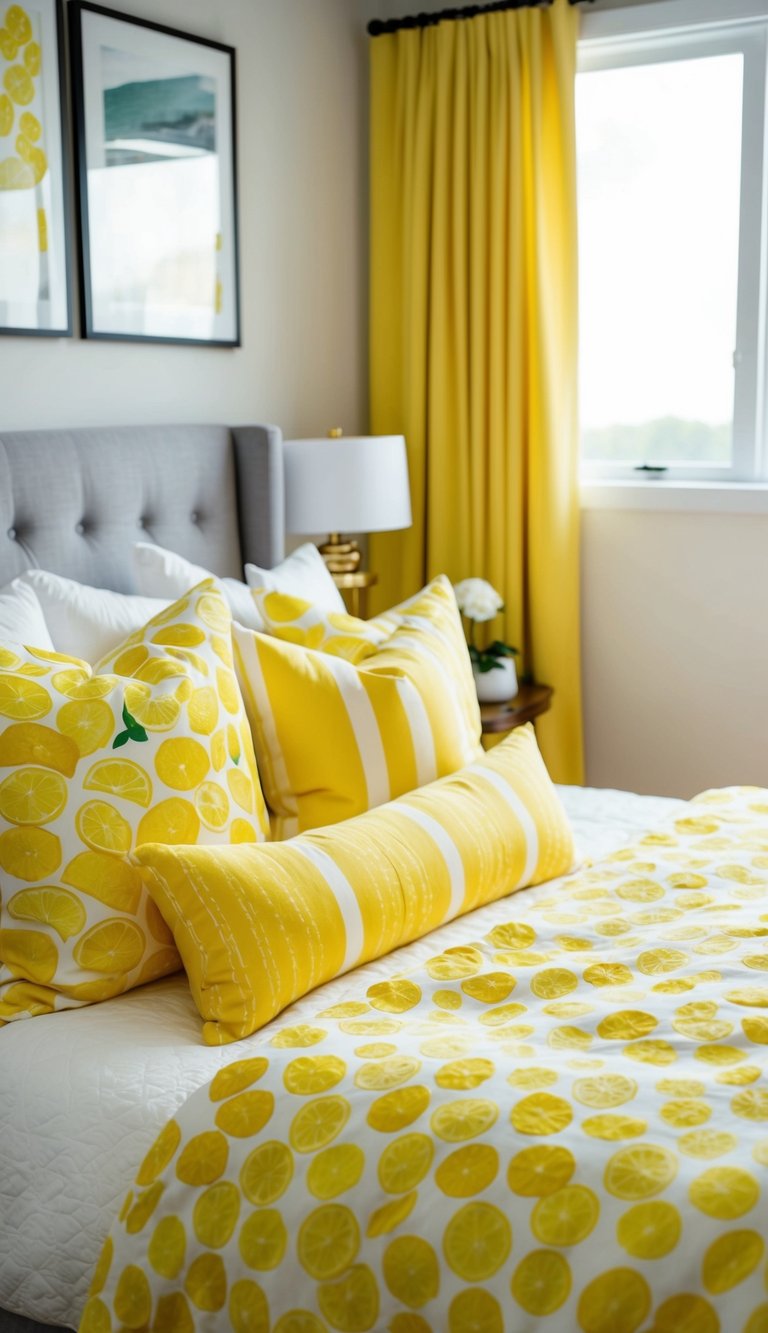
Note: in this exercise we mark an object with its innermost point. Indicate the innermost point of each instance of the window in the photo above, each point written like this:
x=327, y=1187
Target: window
x=671, y=149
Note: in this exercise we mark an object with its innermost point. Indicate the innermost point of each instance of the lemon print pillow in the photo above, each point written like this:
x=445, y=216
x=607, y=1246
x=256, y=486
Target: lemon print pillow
x=432, y=611
x=347, y=714
x=151, y=746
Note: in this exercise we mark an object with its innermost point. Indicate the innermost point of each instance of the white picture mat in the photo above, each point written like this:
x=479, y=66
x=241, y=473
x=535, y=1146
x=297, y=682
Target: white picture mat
x=134, y=210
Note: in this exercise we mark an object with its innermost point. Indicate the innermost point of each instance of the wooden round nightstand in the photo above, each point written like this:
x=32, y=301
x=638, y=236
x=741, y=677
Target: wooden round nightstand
x=530, y=701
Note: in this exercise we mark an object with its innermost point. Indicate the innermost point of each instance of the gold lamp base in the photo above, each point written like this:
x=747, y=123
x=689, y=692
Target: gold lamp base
x=354, y=589
x=341, y=555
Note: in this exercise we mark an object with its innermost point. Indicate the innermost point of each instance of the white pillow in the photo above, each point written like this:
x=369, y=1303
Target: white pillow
x=303, y=574
x=161, y=573
x=88, y=622
x=21, y=617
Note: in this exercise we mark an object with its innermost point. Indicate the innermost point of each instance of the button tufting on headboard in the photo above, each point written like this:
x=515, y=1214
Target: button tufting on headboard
x=111, y=485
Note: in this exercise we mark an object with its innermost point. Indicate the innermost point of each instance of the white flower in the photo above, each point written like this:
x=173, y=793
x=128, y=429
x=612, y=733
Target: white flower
x=477, y=600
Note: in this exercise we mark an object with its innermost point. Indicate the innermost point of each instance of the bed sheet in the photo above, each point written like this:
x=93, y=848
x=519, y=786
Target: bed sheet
x=84, y=1092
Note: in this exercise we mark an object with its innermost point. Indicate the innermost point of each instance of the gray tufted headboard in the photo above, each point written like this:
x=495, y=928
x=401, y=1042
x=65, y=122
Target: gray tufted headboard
x=74, y=501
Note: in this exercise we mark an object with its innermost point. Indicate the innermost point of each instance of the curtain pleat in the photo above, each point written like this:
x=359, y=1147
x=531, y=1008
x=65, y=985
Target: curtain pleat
x=473, y=336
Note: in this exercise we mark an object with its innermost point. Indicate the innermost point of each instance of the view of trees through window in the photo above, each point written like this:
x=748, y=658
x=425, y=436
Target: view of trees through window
x=662, y=440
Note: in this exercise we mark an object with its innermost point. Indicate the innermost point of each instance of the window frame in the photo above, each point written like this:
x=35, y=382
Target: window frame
x=674, y=30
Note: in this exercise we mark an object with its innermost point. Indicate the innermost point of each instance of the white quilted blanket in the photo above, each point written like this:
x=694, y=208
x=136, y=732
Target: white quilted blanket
x=83, y=1093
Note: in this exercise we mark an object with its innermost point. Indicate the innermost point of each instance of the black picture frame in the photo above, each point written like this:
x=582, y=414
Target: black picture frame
x=35, y=237
x=156, y=142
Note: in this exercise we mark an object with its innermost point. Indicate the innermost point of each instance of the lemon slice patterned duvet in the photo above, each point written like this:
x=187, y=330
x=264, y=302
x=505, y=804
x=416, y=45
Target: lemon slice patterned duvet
x=561, y=1125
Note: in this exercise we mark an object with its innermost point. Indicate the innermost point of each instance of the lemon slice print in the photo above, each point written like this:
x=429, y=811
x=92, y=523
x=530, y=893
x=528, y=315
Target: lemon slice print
x=411, y=1270
x=89, y=723
x=212, y=805
x=29, y=953
x=31, y=743
x=215, y=1214
x=23, y=700
x=263, y=1239
x=32, y=796
x=246, y=1113
x=318, y=1122
x=311, y=1074
x=328, y=1241
x=174, y=821
x=390, y=1215
x=115, y=945
x=203, y=1159
x=160, y=1154
x=650, y=1230
x=566, y=1217
x=477, y=1241
x=237, y=1077
x=167, y=1247
x=640, y=1171
x=50, y=906
x=30, y=853
x=102, y=828
x=352, y=1302
x=266, y=1173
x=542, y=1282
x=335, y=1170
x=468, y=1170
x=119, y=777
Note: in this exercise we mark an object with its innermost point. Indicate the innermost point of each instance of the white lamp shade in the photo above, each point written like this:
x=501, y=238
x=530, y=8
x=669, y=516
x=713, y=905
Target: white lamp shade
x=357, y=483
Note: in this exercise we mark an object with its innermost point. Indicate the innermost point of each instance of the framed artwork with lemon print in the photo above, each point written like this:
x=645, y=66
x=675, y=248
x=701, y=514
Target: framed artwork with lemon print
x=34, y=251
x=155, y=149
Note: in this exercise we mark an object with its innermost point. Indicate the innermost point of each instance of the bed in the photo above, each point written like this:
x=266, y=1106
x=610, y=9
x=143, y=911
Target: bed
x=84, y=1093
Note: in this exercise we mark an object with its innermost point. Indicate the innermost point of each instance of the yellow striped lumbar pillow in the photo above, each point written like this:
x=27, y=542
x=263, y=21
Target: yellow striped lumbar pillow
x=259, y=926
x=361, y=716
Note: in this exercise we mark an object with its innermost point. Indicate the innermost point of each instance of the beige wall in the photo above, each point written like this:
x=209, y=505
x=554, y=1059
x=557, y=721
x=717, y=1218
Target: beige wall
x=301, y=171
x=675, y=650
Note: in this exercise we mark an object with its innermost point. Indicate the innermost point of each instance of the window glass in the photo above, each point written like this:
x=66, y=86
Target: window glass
x=659, y=160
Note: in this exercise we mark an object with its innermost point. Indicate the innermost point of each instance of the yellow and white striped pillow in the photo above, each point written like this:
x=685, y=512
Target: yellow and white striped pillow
x=257, y=927
x=371, y=710
x=151, y=746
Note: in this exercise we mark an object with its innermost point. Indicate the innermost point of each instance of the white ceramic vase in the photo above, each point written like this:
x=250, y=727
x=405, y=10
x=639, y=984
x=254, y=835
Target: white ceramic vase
x=498, y=685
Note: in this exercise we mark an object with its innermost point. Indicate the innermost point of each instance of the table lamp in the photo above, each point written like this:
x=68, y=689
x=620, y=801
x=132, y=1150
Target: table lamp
x=343, y=484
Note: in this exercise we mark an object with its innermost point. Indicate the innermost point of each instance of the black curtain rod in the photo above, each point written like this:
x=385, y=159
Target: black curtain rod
x=378, y=27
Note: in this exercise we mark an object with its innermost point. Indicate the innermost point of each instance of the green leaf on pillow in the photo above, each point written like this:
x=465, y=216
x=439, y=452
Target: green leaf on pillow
x=135, y=730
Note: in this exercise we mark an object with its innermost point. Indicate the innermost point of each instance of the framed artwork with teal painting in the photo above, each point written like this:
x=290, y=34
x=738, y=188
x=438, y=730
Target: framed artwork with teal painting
x=157, y=185
x=34, y=250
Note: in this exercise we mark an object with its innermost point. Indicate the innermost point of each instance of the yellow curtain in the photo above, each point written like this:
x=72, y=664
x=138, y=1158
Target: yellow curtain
x=473, y=332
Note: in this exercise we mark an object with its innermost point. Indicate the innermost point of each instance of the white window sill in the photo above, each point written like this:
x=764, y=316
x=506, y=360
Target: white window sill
x=704, y=497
